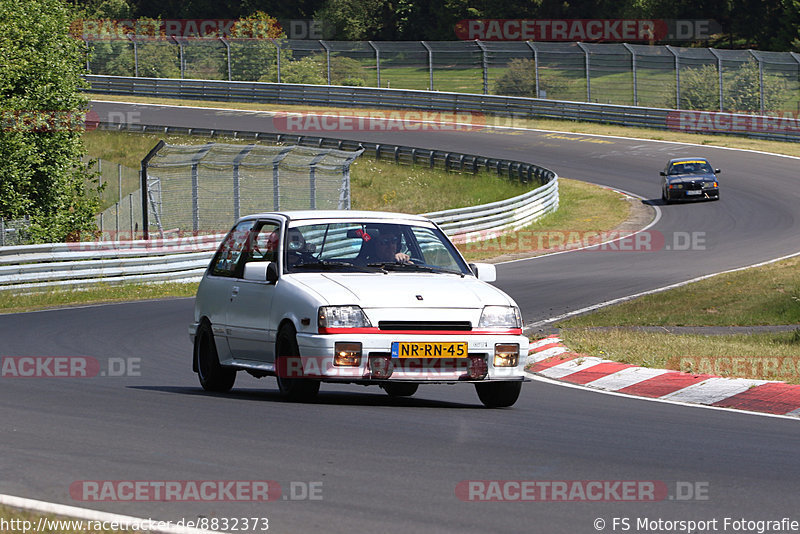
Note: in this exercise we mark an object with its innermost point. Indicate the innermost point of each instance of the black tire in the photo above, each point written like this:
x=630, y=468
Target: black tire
x=212, y=375
x=399, y=389
x=498, y=394
x=294, y=389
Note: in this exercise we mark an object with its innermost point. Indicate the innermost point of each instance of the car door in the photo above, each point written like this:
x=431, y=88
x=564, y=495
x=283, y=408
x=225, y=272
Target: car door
x=218, y=283
x=249, y=304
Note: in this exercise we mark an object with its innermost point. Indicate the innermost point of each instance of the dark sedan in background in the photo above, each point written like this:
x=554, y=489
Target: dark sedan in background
x=689, y=179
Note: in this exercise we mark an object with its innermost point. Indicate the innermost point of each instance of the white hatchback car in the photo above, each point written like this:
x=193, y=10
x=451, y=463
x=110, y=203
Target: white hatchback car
x=354, y=297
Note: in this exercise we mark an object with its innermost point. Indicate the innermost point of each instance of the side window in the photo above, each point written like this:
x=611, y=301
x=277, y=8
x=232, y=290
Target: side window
x=227, y=258
x=263, y=243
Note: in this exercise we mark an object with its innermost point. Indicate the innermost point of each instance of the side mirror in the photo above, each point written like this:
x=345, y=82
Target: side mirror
x=484, y=271
x=272, y=272
x=261, y=271
x=662, y=173
x=717, y=171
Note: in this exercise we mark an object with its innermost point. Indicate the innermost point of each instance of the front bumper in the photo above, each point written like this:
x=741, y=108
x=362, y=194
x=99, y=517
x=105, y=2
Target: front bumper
x=693, y=194
x=317, y=359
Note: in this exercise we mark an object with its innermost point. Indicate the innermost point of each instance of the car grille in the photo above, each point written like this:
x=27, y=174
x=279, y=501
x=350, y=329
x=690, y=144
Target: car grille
x=423, y=326
x=693, y=186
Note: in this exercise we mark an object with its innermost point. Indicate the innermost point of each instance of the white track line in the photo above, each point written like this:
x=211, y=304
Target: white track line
x=125, y=522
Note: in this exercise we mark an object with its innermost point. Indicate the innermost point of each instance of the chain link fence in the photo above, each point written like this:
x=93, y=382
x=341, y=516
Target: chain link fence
x=205, y=188
x=14, y=232
x=609, y=73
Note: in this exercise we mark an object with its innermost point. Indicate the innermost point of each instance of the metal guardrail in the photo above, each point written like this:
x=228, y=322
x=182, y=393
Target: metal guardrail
x=785, y=128
x=82, y=264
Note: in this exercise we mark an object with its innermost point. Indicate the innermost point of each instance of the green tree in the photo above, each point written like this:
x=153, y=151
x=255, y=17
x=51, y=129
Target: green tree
x=41, y=173
x=743, y=93
x=700, y=88
x=253, y=53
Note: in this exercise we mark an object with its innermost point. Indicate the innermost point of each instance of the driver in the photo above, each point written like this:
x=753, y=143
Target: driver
x=386, y=247
x=297, y=251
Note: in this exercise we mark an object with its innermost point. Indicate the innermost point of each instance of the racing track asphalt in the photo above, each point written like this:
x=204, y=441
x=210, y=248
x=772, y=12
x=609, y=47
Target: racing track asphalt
x=393, y=465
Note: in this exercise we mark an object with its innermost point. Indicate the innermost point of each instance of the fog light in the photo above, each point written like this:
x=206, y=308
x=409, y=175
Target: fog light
x=380, y=367
x=478, y=368
x=347, y=354
x=506, y=354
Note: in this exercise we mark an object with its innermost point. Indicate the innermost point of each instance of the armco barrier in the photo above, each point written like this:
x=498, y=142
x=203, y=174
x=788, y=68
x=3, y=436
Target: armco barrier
x=70, y=265
x=755, y=126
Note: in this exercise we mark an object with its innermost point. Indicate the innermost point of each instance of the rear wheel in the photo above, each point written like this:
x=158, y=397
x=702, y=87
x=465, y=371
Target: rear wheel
x=213, y=376
x=395, y=389
x=286, y=350
x=498, y=394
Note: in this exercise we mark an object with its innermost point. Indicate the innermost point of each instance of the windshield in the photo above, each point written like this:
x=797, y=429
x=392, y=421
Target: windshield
x=367, y=246
x=691, y=167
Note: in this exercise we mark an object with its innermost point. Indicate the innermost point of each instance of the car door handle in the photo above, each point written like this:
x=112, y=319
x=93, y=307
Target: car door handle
x=234, y=292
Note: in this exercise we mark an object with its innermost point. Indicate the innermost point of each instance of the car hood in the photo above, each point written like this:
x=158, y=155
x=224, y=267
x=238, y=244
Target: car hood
x=404, y=290
x=689, y=178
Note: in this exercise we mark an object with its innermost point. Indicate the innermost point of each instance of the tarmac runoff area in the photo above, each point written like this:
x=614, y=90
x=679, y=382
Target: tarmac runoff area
x=549, y=358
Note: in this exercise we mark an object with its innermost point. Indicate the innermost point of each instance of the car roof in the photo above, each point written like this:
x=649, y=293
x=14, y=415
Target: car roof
x=683, y=160
x=310, y=215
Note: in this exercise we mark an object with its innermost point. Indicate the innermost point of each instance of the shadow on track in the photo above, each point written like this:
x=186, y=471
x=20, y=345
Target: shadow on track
x=335, y=398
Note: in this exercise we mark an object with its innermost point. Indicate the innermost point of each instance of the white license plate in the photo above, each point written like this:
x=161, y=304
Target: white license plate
x=694, y=192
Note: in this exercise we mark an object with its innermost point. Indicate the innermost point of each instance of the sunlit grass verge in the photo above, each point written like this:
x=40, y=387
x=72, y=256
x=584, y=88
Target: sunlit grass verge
x=13, y=302
x=22, y=521
x=766, y=356
x=583, y=208
x=766, y=295
x=387, y=186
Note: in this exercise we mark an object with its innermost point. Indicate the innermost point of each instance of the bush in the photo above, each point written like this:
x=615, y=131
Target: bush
x=520, y=80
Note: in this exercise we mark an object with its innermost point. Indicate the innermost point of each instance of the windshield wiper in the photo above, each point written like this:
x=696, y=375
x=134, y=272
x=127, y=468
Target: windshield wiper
x=324, y=264
x=397, y=266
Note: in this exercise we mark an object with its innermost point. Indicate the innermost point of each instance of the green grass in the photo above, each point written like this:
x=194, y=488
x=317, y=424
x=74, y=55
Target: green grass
x=12, y=302
x=583, y=208
x=768, y=295
x=767, y=356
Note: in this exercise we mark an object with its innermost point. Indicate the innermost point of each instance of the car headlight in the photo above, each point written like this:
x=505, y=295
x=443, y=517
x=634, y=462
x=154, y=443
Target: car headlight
x=342, y=317
x=500, y=317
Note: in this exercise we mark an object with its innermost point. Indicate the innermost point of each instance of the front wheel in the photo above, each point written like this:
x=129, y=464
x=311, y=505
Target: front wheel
x=287, y=355
x=395, y=389
x=498, y=394
x=213, y=376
